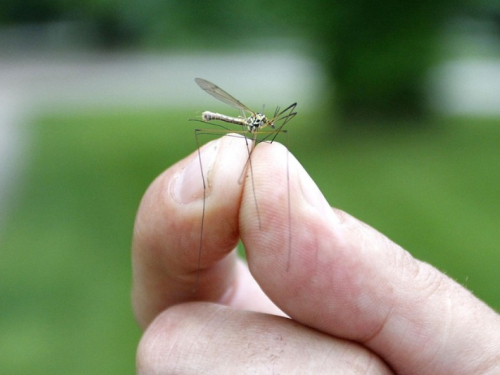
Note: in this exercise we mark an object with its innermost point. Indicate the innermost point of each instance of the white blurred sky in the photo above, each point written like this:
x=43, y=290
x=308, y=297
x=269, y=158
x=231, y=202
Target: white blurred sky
x=91, y=80
x=76, y=81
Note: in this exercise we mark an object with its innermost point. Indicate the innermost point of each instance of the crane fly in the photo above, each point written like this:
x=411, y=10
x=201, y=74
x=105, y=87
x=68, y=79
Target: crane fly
x=252, y=124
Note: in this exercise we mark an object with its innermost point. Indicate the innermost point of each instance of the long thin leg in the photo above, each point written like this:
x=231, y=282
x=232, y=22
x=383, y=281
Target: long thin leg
x=250, y=166
x=250, y=144
x=289, y=208
x=202, y=229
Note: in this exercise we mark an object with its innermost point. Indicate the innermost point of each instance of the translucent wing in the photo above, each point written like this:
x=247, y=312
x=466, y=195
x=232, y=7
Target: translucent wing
x=220, y=94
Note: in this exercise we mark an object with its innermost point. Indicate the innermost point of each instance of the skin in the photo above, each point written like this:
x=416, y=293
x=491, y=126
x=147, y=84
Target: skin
x=338, y=298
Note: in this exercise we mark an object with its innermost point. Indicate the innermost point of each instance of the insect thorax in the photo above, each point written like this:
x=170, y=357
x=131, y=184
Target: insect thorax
x=256, y=122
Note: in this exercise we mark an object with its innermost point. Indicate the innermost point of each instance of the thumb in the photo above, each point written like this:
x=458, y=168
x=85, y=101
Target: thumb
x=346, y=279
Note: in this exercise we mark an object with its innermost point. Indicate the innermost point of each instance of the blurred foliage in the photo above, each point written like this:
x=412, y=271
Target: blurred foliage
x=65, y=259
x=29, y=11
x=380, y=53
x=376, y=54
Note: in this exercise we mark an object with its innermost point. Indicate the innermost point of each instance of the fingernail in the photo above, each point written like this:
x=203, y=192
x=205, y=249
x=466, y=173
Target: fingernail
x=188, y=185
x=313, y=195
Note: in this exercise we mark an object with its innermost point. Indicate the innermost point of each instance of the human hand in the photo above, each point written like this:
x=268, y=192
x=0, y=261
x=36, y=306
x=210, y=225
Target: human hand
x=358, y=303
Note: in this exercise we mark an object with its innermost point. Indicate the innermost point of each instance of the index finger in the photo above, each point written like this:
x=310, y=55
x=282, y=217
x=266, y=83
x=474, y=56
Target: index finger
x=174, y=259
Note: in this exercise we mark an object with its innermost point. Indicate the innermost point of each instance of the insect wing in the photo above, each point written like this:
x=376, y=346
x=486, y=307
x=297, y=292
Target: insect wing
x=221, y=95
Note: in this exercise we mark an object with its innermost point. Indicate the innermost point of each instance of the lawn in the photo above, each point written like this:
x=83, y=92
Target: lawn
x=65, y=269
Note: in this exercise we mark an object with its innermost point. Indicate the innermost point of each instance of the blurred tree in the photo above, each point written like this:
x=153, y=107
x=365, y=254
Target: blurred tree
x=28, y=11
x=376, y=54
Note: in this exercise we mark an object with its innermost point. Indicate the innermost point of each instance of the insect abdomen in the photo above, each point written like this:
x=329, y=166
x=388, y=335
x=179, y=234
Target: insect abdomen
x=210, y=116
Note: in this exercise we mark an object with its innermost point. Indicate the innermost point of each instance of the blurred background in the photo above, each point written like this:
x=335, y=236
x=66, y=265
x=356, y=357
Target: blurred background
x=399, y=124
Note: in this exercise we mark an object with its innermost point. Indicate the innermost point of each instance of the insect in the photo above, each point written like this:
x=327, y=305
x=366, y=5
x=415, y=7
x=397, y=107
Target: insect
x=252, y=124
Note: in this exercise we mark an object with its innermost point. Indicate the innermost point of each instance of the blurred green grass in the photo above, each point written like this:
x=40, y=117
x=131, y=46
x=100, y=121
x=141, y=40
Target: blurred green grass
x=66, y=249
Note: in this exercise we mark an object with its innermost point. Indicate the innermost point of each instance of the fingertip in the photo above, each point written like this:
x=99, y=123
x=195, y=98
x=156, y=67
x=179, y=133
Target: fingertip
x=188, y=185
x=283, y=214
x=184, y=236
x=310, y=192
